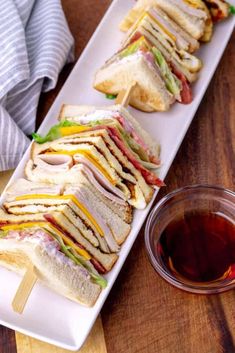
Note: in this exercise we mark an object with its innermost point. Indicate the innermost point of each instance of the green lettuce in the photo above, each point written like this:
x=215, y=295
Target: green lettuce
x=55, y=131
x=133, y=47
x=111, y=96
x=172, y=83
x=80, y=261
x=232, y=9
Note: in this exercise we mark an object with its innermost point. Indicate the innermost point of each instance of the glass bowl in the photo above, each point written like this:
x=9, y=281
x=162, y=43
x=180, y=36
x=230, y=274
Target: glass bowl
x=204, y=199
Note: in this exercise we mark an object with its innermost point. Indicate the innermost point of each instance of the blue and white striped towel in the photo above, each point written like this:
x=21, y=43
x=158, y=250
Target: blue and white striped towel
x=35, y=43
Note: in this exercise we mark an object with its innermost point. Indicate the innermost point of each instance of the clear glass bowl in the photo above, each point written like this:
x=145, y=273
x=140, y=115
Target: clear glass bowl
x=197, y=198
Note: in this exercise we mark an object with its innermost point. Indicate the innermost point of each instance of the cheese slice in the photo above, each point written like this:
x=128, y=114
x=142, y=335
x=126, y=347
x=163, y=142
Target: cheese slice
x=194, y=4
x=163, y=28
x=48, y=226
x=90, y=157
x=69, y=241
x=64, y=197
x=23, y=225
x=71, y=130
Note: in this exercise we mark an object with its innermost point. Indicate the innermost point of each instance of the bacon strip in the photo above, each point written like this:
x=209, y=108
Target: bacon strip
x=149, y=176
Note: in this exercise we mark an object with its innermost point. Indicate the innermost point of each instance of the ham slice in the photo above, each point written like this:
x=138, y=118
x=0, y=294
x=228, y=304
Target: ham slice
x=90, y=176
x=99, y=176
x=54, y=162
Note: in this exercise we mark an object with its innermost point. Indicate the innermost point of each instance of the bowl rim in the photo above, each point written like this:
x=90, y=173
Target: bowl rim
x=195, y=287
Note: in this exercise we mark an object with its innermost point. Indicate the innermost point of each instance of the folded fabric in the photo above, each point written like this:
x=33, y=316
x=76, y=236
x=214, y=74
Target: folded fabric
x=35, y=43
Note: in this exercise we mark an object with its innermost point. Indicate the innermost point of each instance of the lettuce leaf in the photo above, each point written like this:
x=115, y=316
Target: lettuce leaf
x=232, y=9
x=55, y=132
x=134, y=47
x=80, y=261
x=111, y=96
x=172, y=83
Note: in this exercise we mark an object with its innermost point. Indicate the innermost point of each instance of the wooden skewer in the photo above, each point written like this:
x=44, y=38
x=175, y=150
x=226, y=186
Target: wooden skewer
x=124, y=96
x=24, y=290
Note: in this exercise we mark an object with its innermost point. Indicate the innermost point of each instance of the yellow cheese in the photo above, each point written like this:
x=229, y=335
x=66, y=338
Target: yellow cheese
x=139, y=22
x=193, y=3
x=69, y=242
x=23, y=225
x=47, y=225
x=70, y=130
x=91, y=158
x=164, y=29
x=64, y=197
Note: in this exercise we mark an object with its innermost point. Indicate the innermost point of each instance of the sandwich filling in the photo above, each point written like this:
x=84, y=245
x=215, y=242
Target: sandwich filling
x=51, y=240
x=122, y=139
x=175, y=83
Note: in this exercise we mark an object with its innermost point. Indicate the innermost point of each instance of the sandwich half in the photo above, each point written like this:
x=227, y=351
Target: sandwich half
x=191, y=15
x=168, y=28
x=102, y=146
x=57, y=265
x=71, y=235
x=171, y=72
x=179, y=60
x=150, y=92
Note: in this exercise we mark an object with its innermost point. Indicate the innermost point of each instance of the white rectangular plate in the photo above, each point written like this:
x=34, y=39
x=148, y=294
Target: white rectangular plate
x=48, y=316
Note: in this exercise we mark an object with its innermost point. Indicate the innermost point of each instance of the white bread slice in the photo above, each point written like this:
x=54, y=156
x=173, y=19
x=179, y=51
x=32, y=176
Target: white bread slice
x=135, y=13
x=195, y=26
x=76, y=112
x=22, y=186
x=150, y=93
x=12, y=218
x=72, y=282
x=106, y=260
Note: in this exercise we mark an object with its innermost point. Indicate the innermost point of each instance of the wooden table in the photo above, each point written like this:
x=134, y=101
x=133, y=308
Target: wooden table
x=143, y=313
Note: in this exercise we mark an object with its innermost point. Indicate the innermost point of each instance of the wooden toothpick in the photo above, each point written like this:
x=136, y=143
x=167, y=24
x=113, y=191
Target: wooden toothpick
x=24, y=290
x=124, y=96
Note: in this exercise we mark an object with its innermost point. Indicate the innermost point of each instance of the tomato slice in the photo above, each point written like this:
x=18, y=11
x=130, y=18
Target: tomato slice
x=186, y=92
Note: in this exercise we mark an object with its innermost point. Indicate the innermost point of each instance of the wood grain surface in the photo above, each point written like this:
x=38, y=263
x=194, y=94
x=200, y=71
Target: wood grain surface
x=143, y=313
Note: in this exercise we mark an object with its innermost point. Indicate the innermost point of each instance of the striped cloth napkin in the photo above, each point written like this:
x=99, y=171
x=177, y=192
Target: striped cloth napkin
x=35, y=43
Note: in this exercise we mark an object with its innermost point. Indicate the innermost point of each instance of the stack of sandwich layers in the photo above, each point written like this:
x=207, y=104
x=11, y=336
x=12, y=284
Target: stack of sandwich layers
x=157, y=53
x=73, y=210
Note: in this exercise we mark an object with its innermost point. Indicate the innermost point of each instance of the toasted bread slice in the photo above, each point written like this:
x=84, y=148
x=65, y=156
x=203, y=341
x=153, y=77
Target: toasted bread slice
x=150, y=93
